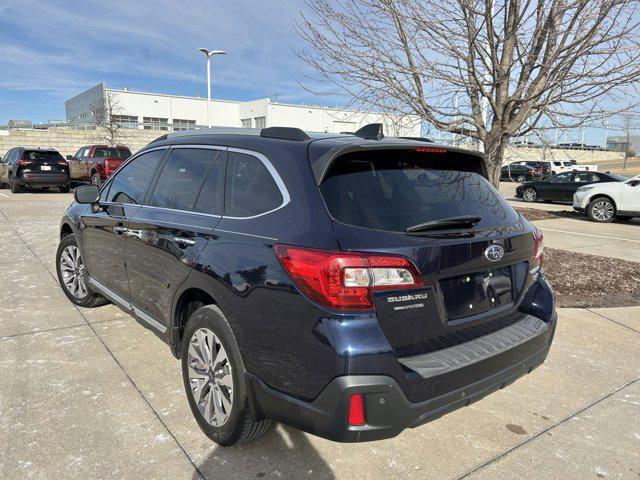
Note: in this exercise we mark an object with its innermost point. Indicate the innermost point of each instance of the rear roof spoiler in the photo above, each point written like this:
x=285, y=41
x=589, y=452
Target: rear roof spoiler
x=322, y=164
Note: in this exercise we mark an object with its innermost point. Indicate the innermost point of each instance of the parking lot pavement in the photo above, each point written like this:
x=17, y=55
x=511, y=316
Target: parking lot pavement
x=90, y=393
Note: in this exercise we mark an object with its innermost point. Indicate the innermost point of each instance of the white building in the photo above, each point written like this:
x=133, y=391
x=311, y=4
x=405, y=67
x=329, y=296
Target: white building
x=165, y=112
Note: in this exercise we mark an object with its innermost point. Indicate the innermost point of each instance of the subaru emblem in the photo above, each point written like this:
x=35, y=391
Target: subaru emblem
x=494, y=253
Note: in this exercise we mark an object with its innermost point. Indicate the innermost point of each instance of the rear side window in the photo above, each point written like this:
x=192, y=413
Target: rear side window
x=181, y=177
x=393, y=190
x=130, y=185
x=250, y=189
x=111, y=152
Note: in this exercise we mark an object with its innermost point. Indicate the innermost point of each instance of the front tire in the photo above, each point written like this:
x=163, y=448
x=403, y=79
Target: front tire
x=64, y=189
x=72, y=276
x=602, y=210
x=213, y=375
x=530, y=195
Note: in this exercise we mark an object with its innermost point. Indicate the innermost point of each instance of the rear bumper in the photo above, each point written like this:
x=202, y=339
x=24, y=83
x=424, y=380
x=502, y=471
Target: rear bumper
x=42, y=179
x=388, y=410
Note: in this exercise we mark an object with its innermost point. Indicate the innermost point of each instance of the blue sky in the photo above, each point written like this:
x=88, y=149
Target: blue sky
x=50, y=51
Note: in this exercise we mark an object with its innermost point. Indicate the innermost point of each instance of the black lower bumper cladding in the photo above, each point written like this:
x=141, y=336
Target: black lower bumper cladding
x=387, y=409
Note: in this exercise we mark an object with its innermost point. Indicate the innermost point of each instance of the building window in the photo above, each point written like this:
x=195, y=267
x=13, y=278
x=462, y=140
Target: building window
x=155, y=123
x=246, y=123
x=261, y=122
x=179, y=124
x=125, y=121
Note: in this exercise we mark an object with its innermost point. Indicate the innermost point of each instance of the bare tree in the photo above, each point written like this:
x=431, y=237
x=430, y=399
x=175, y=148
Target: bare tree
x=516, y=66
x=105, y=115
x=628, y=149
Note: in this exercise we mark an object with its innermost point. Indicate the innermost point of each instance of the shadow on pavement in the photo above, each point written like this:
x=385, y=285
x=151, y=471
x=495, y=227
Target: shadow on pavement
x=283, y=452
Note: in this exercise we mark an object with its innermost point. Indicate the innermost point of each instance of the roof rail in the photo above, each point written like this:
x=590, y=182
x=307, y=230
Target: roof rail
x=371, y=131
x=284, y=133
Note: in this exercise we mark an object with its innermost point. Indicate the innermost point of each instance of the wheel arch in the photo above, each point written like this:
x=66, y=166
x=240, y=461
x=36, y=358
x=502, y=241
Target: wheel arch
x=66, y=228
x=188, y=301
x=602, y=195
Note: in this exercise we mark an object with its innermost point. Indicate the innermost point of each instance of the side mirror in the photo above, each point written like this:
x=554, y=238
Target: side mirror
x=634, y=183
x=86, y=194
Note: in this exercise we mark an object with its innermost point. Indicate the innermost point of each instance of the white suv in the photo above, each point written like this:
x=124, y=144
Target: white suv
x=605, y=201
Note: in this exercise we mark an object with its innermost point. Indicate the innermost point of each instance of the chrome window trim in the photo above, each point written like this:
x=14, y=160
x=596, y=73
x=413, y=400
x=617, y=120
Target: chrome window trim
x=286, y=198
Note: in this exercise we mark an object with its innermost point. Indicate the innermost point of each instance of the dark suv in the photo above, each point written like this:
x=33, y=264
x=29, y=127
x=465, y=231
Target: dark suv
x=351, y=286
x=24, y=167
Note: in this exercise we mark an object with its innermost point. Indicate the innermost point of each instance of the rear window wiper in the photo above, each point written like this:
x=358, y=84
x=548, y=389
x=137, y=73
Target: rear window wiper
x=444, y=223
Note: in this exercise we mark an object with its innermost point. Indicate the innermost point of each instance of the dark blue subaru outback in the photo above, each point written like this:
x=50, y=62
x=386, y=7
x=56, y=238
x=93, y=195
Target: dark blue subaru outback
x=351, y=286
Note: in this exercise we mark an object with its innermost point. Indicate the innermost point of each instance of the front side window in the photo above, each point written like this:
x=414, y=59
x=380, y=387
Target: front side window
x=130, y=185
x=393, y=190
x=181, y=177
x=250, y=189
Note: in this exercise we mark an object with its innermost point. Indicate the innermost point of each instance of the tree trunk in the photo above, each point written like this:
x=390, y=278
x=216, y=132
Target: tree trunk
x=494, y=154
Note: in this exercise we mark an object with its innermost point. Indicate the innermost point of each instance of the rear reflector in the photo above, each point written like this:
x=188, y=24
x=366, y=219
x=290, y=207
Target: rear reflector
x=346, y=280
x=356, y=410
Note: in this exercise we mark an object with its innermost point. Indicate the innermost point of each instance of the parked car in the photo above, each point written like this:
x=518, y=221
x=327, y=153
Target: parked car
x=95, y=163
x=605, y=202
x=347, y=285
x=519, y=173
x=25, y=167
x=561, y=187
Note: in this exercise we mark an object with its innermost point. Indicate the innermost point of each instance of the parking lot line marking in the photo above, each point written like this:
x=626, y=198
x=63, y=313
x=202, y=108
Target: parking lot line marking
x=590, y=235
x=4, y=195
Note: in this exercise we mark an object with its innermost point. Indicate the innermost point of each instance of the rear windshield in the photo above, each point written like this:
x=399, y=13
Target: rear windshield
x=393, y=191
x=42, y=155
x=111, y=152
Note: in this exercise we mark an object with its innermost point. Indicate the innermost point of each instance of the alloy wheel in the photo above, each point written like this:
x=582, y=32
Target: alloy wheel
x=210, y=377
x=602, y=210
x=72, y=269
x=530, y=195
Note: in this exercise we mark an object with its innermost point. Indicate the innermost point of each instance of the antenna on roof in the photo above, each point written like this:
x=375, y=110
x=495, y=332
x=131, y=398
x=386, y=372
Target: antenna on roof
x=372, y=131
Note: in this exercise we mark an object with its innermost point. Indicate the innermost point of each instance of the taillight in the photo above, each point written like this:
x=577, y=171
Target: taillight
x=538, y=249
x=63, y=163
x=356, y=410
x=24, y=162
x=346, y=280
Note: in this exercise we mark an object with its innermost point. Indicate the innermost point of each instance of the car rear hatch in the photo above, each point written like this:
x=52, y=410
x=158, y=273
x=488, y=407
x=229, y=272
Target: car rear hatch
x=434, y=207
x=43, y=162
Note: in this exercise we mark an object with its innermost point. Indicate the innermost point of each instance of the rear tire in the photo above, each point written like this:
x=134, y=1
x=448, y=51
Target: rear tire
x=3, y=186
x=96, y=180
x=13, y=186
x=64, y=189
x=209, y=375
x=72, y=276
x=530, y=195
x=602, y=210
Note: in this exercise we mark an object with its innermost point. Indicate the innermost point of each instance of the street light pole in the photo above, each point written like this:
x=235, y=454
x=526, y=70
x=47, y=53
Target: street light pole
x=208, y=54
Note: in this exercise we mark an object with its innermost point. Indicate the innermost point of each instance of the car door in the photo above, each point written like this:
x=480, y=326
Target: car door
x=103, y=228
x=630, y=197
x=558, y=186
x=74, y=170
x=166, y=236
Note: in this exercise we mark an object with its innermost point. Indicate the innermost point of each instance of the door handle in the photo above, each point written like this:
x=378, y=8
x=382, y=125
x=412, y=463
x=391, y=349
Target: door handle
x=184, y=241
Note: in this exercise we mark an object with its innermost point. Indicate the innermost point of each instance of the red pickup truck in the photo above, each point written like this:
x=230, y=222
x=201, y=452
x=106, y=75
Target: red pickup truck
x=95, y=163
